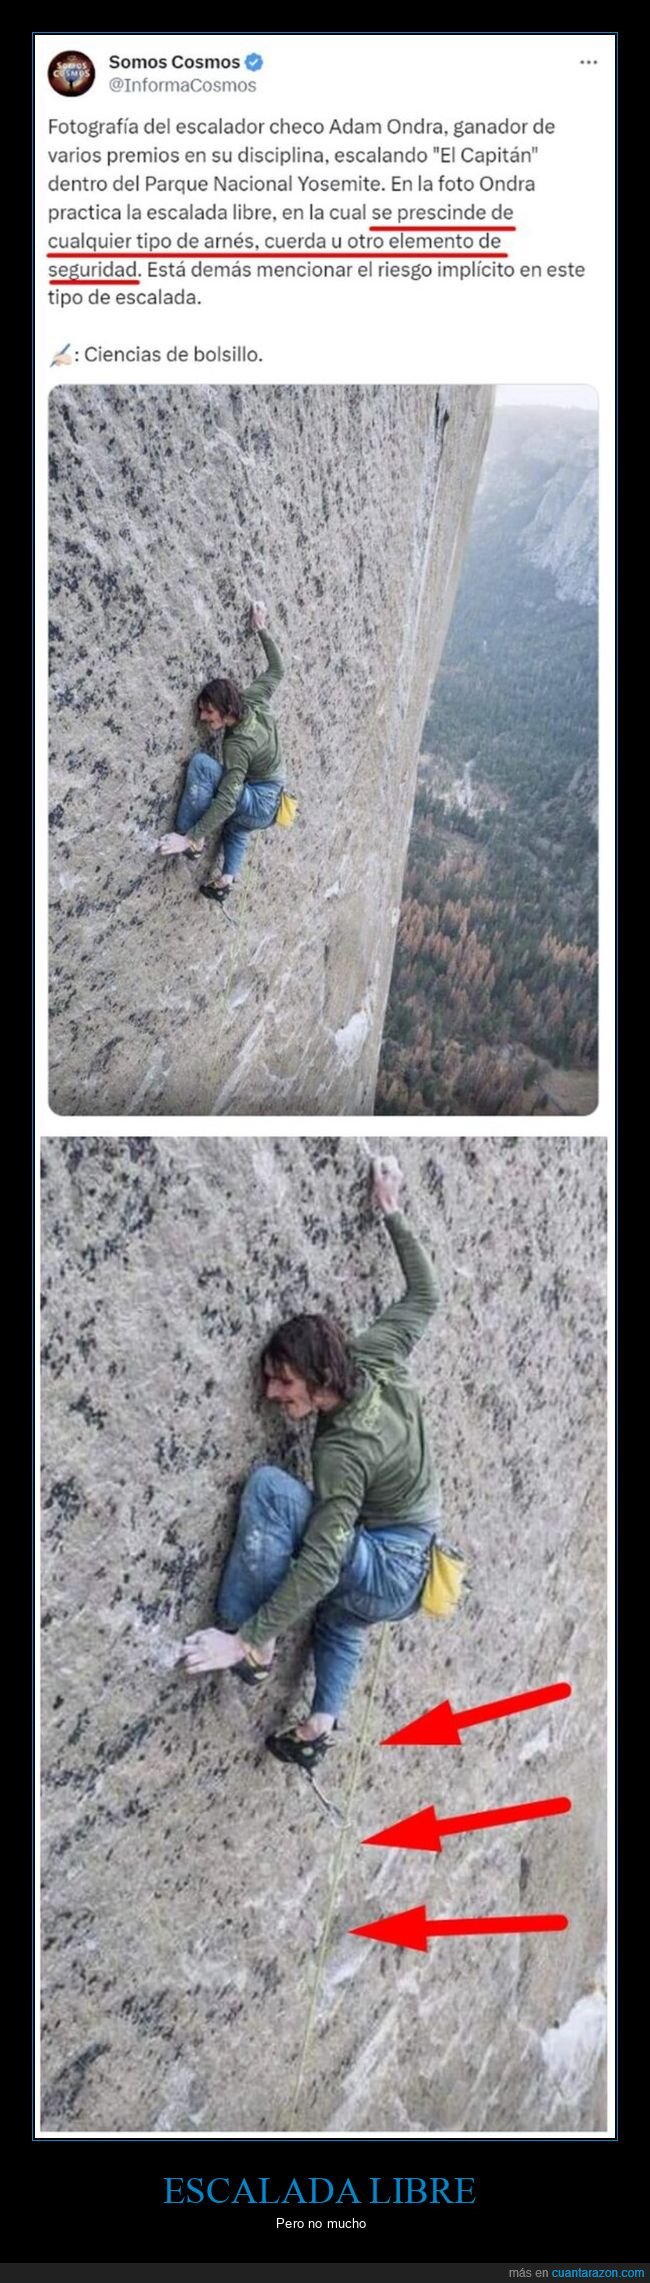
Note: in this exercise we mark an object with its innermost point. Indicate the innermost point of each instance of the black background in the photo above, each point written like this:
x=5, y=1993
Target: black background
x=573, y=2202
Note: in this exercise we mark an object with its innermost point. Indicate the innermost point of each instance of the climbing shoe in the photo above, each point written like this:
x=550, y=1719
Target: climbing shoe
x=214, y=893
x=305, y=1753
x=302, y=1751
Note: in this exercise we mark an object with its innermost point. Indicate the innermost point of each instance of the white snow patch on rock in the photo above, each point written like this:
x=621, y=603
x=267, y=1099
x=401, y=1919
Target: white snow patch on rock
x=573, y=2050
x=351, y=1040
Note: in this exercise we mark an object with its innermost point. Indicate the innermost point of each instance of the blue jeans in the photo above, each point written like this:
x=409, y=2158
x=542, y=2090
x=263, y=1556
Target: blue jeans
x=381, y=1578
x=256, y=807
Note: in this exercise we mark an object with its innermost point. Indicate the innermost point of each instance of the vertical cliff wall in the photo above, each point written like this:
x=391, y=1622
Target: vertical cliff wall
x=347, y=508
x=186, y=1874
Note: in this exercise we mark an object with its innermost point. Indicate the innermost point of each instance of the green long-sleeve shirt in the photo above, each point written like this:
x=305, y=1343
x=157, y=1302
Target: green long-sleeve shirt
x=371, y=1461
x=251, y=751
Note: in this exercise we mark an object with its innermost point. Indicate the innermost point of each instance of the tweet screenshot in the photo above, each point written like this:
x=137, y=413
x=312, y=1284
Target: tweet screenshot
x=325, y=804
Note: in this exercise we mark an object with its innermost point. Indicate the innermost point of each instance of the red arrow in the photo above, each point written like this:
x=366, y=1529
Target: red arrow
x=426, y=1830
x=442, y=1726
x=411, y=1929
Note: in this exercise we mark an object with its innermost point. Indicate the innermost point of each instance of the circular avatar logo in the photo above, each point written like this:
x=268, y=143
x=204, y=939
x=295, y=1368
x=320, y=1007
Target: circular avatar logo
x=71, y=73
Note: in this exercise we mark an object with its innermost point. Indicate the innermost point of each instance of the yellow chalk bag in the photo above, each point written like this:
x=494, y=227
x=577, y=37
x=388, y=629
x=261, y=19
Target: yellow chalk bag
x=443, y=1583
x=285, y=813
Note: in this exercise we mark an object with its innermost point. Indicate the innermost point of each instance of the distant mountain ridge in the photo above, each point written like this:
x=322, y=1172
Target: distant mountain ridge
x=555, y=465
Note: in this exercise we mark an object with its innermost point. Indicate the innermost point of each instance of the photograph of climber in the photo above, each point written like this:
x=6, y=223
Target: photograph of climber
x=244, y=791
x=356, y=1552
x=345, y=511
x=272, y=1376
x=423, y=560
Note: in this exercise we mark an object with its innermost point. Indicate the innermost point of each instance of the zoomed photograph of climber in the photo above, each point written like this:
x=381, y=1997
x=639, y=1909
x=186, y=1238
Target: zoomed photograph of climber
x=324, y=1611
x=323, y=803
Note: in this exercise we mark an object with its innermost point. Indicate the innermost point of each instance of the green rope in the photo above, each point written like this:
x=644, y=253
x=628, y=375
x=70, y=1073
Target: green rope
x=338, y=1860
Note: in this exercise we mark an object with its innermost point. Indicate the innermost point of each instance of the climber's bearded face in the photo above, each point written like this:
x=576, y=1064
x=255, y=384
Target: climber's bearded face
x=211, y=716
x=285, y=1386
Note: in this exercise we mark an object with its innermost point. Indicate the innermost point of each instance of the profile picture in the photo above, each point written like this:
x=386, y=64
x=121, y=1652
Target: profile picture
x=71, y=73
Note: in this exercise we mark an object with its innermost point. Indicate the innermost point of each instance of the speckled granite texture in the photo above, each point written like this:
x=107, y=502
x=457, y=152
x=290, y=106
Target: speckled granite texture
x=186, y=1874
x=347, y=510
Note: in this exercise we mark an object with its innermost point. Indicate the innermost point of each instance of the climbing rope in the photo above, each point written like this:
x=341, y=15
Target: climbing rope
x=336, y=1871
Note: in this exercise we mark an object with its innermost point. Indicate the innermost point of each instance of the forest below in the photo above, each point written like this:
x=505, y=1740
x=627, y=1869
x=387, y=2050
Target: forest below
x=494, y=995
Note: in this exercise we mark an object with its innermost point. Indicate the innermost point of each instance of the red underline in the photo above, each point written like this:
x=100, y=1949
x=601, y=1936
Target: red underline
x=496, y=229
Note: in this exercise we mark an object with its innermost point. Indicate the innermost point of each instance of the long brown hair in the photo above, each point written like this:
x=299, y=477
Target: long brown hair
x=315, y=1347
x=225, y=695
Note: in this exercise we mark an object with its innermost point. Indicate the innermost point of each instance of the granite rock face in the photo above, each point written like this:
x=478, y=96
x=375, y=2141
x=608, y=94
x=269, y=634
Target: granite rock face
x=186, y=1874
x=346, y=509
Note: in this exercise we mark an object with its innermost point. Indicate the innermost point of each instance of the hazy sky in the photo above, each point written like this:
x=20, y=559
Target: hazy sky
x=547, y=392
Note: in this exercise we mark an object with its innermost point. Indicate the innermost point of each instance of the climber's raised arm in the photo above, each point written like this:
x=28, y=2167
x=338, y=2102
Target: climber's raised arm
x=396, y=1331
x=266, y=683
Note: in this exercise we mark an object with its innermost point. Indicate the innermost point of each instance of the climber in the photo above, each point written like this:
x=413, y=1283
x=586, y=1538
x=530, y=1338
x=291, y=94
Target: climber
x=357, y=1551
x=241, y=792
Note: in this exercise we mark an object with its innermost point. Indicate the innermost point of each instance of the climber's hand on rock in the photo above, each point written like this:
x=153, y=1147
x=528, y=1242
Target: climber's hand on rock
x=257, y=616
x=212, y=1652
x=386, y=1185
x=179, y=844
